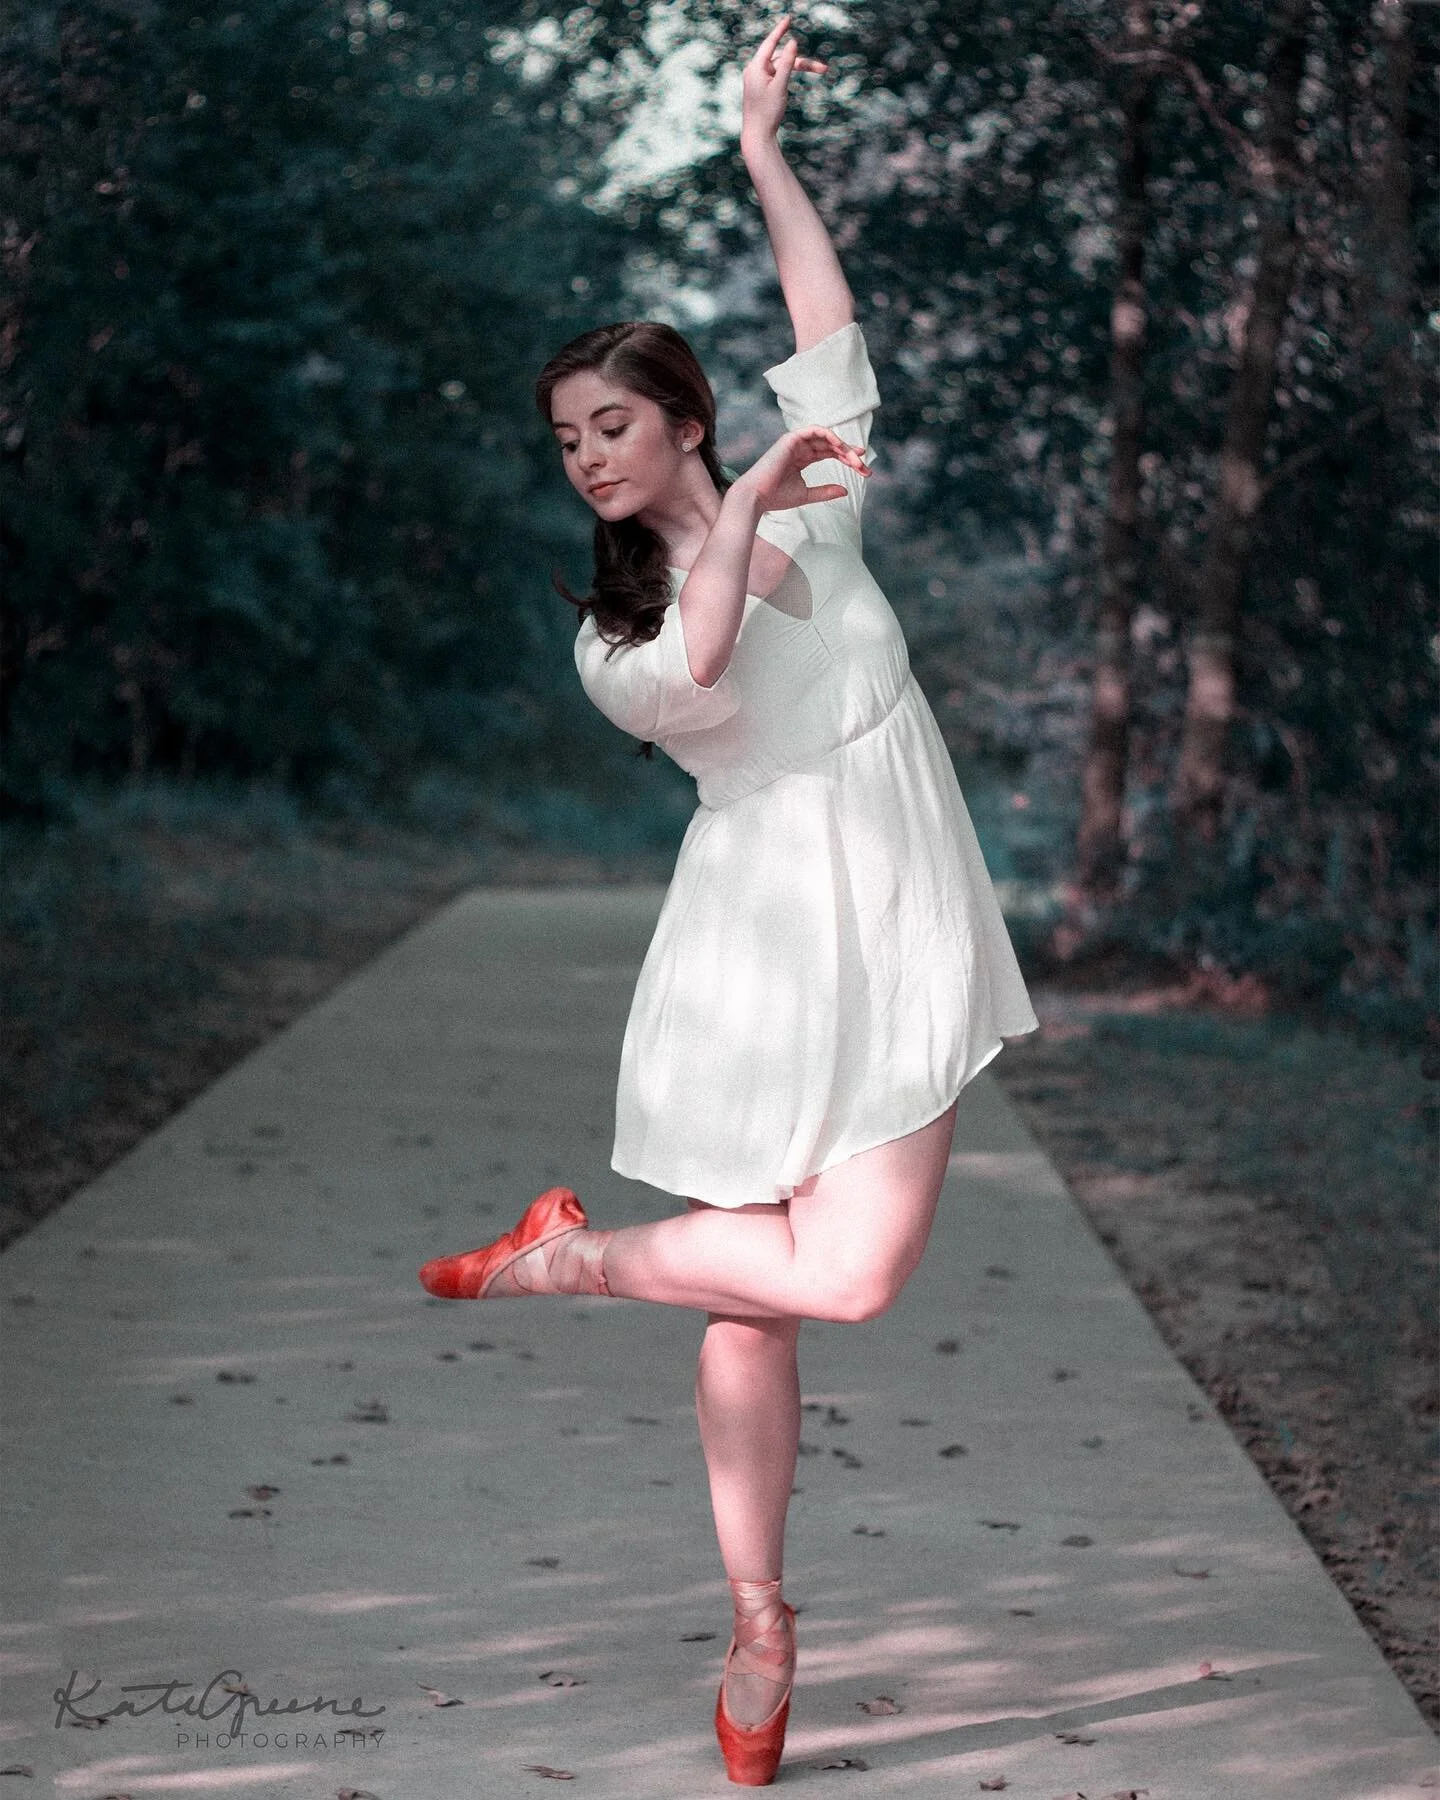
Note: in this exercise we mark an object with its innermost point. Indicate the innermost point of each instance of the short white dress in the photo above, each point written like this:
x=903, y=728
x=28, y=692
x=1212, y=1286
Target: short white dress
x=830, y=966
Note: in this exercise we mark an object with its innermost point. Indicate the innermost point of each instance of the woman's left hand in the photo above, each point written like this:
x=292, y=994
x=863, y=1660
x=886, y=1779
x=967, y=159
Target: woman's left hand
x=775, y=481
x=766, y=81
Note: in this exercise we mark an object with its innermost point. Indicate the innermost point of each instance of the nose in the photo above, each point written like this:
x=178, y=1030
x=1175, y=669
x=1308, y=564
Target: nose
x=591, y=457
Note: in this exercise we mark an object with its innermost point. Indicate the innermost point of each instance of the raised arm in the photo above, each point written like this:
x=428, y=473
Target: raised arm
x=816, y=292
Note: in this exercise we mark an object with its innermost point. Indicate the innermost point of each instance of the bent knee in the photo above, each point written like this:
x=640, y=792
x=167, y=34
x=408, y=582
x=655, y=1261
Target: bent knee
x=856, y=1298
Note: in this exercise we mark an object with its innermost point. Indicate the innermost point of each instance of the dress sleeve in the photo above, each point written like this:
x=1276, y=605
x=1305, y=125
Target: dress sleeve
x=647, y=689
x=831, y=383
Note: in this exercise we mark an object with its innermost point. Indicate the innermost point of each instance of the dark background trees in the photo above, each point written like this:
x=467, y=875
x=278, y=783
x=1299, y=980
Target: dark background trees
x=1151, y=288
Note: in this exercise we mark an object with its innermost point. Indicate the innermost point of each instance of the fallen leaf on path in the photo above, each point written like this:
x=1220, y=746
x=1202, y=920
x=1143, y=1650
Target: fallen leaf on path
x=639, y=1419
x=369, y=1412
x=948, y=1347
x=843, y=1762
x=175, y=1400
x=1000, y=1524
x=697, y=1637
x=954, y=1450
x=834, y=1416
x=1023, y=1612
x=1092, y=1443
x=234, y=1375
x=561, y=1678
x=848, y=1459
x=438, y=1697
x=250, y=1512
x=549, y=1773
x=994, y=1785
x=1077, y=1540
x=1064, y=1374
x=867, y=1531
x=542, y=1562
x=236, y=1687
x=1192, y=1574
x=320, y=1461
x=1073, y=1737
x=262, y=1491
x=447, y=1356
x=480, y=1344
x=1208, y=1672
x=880, y=1706
x=355, y=1794
x=18, y=1769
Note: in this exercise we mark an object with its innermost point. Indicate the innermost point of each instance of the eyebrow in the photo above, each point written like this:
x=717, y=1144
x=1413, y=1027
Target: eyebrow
x=609, y=406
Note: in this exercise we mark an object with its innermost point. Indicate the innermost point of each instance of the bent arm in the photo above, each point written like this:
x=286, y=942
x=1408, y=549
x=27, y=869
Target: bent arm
x=816, y=292
x=712, y=601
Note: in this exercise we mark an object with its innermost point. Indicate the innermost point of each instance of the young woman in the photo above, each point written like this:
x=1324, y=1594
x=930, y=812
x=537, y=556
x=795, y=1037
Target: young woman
x=830, y=966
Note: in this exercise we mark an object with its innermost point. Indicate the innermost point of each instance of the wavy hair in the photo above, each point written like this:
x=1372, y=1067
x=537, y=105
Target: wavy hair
x=630, y=589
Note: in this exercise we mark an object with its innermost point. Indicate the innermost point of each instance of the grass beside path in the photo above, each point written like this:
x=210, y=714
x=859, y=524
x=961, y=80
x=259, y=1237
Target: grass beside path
x=1267, y=1186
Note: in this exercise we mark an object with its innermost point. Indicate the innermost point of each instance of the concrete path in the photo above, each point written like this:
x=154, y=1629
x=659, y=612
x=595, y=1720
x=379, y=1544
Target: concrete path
x=239, y=1438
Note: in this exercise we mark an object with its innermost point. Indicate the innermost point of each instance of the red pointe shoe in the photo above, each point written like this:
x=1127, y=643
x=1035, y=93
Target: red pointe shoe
x=752, y=1752
x=477, y=1274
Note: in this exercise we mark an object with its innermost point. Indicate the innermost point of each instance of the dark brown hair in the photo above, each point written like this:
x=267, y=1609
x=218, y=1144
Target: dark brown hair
x=631, y=585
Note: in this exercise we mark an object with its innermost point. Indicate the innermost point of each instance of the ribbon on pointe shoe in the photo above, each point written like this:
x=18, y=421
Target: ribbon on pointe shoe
x=760, y=1669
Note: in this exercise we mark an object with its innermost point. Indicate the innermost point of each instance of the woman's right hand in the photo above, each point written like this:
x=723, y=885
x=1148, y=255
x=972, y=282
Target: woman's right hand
x=765, y=84
x=775, y=482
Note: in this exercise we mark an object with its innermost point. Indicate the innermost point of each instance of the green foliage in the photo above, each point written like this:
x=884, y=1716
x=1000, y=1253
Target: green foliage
x=275, y=496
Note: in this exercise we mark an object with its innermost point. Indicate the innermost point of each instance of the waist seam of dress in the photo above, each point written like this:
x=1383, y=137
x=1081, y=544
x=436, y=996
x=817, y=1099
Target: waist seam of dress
x=810, y=767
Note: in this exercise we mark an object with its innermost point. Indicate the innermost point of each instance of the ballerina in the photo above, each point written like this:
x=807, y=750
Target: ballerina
x=830, y=966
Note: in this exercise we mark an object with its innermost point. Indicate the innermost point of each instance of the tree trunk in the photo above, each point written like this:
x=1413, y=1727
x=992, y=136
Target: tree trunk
x=1385, y=197
x=1202, y=770
x=1100, y=845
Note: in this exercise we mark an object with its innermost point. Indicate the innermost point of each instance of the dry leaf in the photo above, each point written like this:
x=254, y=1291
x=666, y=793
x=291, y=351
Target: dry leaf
x=998, y=1272
x=1092, y=1443
x=867, y=1531
x=994, y=1785
x=89, y=1723
x=236, y=1687
x=559, y=1678
x=697, y=1637
x=542, y=1562
x=1193, y=1574
x=880, y=1706
x=549, y=1773
x=843, y=1762
x=834, y=1416
x=954, y=1450
x=18, y=1769
x=1208, y=1672
x=1023, y=1612
x=1077, y=1540
x=233, y=1375
x=948, y=1347
x=439, y=1698
x=262, y=1491
x=1073, y=1737
x=1000, y=1524
x=356, y=1794
x=369, y=1412
x=848, y=1459
x=914, y=1421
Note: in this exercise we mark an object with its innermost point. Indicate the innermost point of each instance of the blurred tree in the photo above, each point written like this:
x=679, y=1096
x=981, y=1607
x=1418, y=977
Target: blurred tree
x=275, y=498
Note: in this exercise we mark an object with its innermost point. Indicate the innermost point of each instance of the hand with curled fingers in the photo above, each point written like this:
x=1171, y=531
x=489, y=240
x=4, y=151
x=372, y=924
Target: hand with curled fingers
x=766, y=82
x=775, y=482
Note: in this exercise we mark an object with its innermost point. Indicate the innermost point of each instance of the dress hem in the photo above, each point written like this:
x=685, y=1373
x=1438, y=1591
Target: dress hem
x=634, y=1174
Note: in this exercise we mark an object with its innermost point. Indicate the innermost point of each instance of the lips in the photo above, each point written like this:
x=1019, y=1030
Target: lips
x=602, y=488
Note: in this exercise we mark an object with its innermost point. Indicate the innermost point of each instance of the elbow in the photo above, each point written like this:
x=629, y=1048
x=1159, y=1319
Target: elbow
x=708, y=673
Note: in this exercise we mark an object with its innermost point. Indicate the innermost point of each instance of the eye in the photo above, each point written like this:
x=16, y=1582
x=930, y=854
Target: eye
x=614, y=432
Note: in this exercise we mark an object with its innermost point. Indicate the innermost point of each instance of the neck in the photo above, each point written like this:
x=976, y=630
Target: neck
x=682, y=518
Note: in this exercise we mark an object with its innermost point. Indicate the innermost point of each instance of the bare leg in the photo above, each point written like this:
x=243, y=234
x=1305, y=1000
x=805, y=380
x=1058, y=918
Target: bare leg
x=842, y=1248
x=747, y=1398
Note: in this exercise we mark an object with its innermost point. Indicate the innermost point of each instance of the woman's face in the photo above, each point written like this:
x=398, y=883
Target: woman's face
x=619, y=449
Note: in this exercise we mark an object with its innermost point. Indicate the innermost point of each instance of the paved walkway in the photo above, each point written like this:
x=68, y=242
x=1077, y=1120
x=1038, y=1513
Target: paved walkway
x=239, y=1437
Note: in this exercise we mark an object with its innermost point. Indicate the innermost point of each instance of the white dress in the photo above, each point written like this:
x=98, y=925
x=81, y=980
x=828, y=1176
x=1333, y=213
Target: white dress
x=830, y=965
